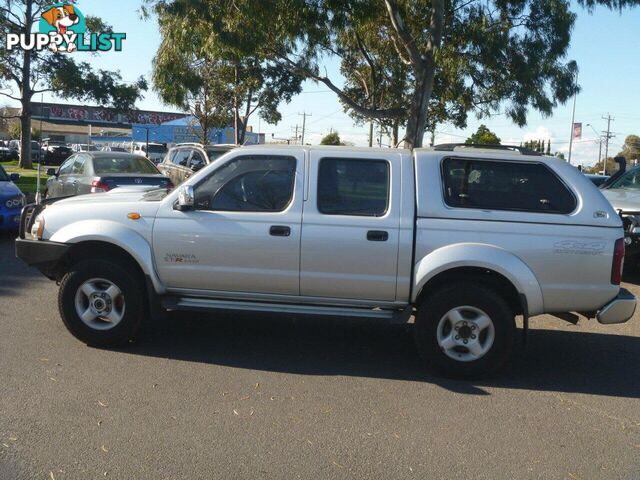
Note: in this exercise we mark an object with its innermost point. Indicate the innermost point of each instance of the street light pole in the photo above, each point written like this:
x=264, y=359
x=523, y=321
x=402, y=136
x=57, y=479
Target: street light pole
x=573, y=117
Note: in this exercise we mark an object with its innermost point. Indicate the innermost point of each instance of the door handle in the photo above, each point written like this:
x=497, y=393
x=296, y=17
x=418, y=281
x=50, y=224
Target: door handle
x=377, y=236
x=279, y=231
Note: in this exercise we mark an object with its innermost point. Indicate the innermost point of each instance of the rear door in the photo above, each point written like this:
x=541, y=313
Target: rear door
x=180, y=162
x=351, y=224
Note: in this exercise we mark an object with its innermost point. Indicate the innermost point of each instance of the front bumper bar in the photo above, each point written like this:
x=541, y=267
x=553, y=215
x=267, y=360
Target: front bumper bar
x=43, y=255
x=618, y=310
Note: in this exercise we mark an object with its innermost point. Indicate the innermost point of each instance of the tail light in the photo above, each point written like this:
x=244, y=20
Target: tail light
x=98, y=186
x=170, y=185
x=618, y=259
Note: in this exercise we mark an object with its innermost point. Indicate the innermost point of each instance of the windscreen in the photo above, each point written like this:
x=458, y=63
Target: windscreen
x=631, y=180
x=3, y=175
x=107, y=165
x=156, y=148
x=214, y=154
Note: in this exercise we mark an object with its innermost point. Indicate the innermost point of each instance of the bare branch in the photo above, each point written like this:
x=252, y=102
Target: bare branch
x=437, y=24
x=19, y=23
x=17, y=99
x=401, y=55
x=356, y=107
x=403, y=34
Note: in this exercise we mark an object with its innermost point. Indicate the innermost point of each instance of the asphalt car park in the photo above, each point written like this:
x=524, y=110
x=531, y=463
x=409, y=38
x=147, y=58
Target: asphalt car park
x=255, y=396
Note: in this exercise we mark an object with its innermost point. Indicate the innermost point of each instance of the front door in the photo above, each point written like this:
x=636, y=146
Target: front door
x=351, y=226
x=243, y=234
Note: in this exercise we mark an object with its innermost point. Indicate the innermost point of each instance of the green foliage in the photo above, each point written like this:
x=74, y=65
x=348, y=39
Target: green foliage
x=24, y=74
x=631, y=148
x=331, y=138
x=483, y=136
x=216, y=81
x=14, y=130
x=406, y=62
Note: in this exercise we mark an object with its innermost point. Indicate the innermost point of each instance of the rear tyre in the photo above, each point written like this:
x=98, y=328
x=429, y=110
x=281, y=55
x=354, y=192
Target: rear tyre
x=465, y=330
x=102, y=302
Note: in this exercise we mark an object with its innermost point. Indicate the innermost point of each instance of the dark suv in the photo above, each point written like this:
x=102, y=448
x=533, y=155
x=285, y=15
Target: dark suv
x=185, y=159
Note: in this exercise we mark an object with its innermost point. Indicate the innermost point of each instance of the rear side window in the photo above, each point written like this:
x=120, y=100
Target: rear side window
x=181, y=157
x=519, y=186
x=353, y=187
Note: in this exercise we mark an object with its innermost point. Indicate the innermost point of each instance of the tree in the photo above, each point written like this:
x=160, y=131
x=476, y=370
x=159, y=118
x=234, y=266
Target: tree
x=15, y=131
x=483, y=136
x=25, y=73
x=214, y=81
x=459, y=56
x=331, y=138
x=631, y=148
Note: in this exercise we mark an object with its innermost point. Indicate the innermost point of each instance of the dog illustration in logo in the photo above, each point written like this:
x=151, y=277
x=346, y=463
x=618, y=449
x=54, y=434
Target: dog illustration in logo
x=61, y=18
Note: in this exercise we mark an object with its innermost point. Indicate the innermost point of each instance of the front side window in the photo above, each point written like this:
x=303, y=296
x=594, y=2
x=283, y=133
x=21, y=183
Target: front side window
x=67, y=166
x=249, y=184
x=491, y=185
x=353, y=187
x=78, y=165
x=197, y=161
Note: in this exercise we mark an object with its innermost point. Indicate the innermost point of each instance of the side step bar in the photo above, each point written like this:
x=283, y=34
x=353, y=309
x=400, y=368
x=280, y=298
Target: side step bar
x=213, y=305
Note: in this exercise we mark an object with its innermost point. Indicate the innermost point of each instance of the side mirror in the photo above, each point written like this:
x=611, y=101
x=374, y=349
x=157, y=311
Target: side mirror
x=186, y=198
x=52, y=172
x=14, y=177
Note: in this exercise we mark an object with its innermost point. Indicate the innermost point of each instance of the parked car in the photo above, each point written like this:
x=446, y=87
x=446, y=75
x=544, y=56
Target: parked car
x=84, y=147
x=14, y=149
x=624, y=194
x=597, y=180
x=11, y=201
x=55, y=152
x=96, y=172
x=6, y=154
x=185, y=159
x=110, y=148
x=464, y=239
x=156, y=153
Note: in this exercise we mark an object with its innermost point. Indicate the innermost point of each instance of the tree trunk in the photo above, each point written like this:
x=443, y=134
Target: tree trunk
x=25, y=96
x=394, y=134
x=417, y=121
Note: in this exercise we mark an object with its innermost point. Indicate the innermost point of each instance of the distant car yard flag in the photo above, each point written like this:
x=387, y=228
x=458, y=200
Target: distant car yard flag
x=577, y=130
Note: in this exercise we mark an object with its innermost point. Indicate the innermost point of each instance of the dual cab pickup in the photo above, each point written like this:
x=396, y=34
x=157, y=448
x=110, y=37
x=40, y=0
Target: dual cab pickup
x=463, y=238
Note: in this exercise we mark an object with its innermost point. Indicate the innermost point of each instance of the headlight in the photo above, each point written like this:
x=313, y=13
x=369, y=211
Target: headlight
x=38, y=228
x=15, y=202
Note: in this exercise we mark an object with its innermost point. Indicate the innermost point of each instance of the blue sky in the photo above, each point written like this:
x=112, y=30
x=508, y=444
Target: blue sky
x=605, y=44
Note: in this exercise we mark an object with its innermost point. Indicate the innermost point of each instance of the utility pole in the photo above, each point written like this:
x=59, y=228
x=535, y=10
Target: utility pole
x=295, y=138
x=304, y=116
x=607, y=137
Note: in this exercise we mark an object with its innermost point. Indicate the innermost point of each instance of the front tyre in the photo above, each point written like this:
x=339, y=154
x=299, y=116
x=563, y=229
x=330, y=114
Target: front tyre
x=101, y=302
x=465, y=330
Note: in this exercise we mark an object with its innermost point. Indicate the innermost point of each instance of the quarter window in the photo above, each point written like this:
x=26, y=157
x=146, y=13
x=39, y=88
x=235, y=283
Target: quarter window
x=248, y=184
x=490, y=185
x=353, y=187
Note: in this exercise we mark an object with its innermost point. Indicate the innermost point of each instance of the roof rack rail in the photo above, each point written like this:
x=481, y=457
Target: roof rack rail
x=450, y=147
x=196, y=144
